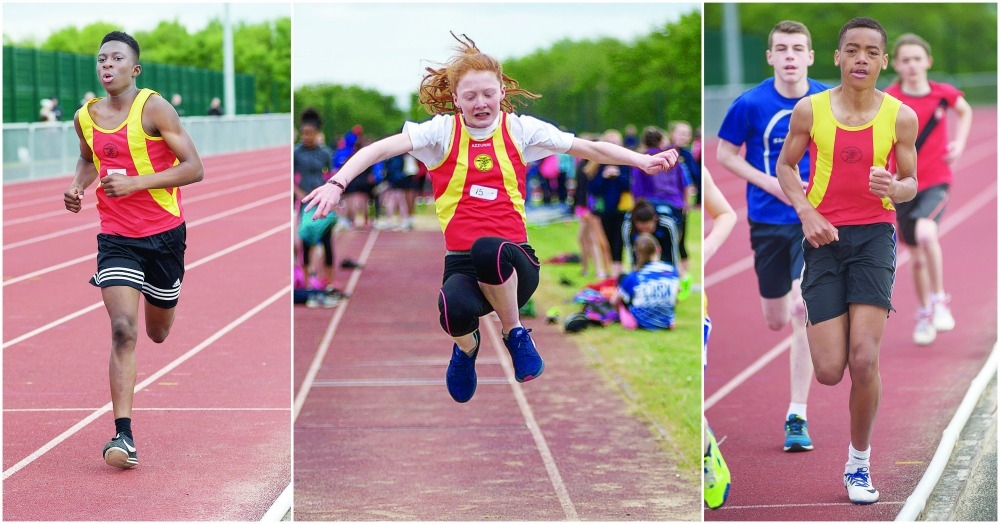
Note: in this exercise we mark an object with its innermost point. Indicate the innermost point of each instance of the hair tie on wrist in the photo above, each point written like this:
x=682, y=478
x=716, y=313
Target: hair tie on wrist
x=338, y=184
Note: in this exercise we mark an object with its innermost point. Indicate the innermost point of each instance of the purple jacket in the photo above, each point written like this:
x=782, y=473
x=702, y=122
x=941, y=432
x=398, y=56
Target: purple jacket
x=667, y=186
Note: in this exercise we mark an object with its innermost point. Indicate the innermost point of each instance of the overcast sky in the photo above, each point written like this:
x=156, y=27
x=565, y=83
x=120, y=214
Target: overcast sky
x=40, y=19
x=378, y=45
x=386, y=46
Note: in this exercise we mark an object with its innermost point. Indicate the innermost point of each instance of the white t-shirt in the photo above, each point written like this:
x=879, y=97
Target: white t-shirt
x=535, y=138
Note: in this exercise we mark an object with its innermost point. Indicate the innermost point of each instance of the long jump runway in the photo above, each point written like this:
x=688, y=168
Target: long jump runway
x=747, y=384
x=212, y=407
x=377, y=437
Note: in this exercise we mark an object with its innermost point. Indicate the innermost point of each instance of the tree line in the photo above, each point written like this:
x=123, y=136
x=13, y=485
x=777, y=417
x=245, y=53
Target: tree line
x=262, y=49
x=586, y=86
x=963, y=37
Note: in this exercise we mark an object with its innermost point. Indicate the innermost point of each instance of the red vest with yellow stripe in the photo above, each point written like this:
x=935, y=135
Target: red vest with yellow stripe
x=841, y=158
x=128, y=150
x=480, y=188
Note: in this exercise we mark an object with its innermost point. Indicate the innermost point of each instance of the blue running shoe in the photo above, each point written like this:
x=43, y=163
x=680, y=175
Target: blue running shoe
x=461, y=376
x=797, y=434
x=527, y=364
x=859, y=487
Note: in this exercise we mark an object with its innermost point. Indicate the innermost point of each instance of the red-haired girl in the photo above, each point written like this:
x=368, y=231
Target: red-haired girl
x=477, y=149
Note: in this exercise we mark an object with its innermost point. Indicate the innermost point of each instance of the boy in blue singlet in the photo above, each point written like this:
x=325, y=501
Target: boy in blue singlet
x=759, y=118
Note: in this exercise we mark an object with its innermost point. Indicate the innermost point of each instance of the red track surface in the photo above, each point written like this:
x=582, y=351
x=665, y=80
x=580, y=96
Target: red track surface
x=378, y=437
x=921, y=386
x=211, y=416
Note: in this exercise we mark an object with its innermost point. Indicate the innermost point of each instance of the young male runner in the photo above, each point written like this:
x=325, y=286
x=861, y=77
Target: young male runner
x=132, y=141
x=847, y=215
x=759, y=119
x=919, y=218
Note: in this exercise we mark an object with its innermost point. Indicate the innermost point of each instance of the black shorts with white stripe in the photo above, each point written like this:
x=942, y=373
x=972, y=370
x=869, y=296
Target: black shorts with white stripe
x=154, y=265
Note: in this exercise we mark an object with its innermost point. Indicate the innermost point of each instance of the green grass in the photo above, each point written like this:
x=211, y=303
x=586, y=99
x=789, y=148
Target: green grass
x=659, y=373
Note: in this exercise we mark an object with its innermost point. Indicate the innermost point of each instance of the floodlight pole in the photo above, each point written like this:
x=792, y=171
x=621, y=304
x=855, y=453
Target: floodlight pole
x=228, y=75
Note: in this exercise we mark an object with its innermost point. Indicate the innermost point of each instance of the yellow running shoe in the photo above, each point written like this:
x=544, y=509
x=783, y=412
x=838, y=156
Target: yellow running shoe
x=717, y=479
x=685, y=289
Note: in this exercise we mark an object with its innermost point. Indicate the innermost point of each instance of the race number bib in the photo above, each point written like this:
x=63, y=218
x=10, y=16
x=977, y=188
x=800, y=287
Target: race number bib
x=483, y=192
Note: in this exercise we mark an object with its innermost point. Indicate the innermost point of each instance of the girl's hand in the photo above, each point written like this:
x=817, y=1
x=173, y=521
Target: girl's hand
x=660, y=162
x=324, y=198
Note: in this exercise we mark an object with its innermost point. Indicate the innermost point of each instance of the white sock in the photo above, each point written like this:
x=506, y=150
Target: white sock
x=796, y=409
x=937, y=298
x=857, y=459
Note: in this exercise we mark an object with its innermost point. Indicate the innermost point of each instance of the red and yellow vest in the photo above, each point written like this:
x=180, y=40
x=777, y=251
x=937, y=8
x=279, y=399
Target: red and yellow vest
x=127, y=149
x=479, y=188
x=841, y=158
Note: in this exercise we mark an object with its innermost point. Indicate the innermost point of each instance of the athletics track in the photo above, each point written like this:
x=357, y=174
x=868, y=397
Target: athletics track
x=212, y=408
x=746, y=386
x=378, y=438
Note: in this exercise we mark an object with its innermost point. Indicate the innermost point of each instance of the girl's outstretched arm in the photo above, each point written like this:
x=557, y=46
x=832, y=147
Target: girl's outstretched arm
x=608, y=153
x=326, y=197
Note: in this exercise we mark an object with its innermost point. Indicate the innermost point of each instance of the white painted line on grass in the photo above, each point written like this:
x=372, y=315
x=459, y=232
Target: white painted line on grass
x=149, y=380
x=331, y=328
x=529, y=419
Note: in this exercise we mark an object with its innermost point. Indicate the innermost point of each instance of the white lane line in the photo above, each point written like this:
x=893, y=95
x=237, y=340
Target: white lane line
x=917, y=501
x=282, y=505
x=806, y=505
x=96, y=224
x=949, y=223
x=68, y=410
x=397, y=382
x=750, y=371
x=969, y=158
x=97, y=305
x=283, y=292
x=529, y=419
x=92, y=256
x=212, y=180
x=331, y=328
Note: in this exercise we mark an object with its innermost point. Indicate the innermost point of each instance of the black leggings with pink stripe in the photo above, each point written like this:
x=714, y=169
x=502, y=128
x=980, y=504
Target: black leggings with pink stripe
x=492, y=261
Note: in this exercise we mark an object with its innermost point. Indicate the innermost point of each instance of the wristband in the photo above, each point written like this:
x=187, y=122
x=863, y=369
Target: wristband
x=338, y=184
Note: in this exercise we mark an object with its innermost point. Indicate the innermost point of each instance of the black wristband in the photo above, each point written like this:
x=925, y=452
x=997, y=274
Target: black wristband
x=338, y=184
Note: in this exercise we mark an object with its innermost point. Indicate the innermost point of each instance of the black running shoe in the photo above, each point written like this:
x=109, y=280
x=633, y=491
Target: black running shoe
x=120, y=452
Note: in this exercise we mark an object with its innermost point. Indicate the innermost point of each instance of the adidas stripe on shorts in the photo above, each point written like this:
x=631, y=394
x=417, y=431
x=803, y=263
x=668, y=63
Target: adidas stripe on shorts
x=154, y=265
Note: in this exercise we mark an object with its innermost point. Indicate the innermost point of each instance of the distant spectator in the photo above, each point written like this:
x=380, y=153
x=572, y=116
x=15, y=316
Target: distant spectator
x=178, y=103
x=215, y=107
x=631, y=138
x=45, y=113
x=87, y=97
x=56, y=110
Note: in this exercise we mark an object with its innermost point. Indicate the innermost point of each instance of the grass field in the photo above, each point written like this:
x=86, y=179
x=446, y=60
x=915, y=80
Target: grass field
x=658, y=373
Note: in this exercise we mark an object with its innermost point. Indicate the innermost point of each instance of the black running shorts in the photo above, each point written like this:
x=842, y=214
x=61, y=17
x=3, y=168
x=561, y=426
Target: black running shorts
x=491, y=261
x=929, y=203
x=857, y=269
x=777, y=257
x=154, y=265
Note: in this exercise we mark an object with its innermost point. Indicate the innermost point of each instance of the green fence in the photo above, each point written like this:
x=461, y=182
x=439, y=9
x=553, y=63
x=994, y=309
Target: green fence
x=29, y=75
